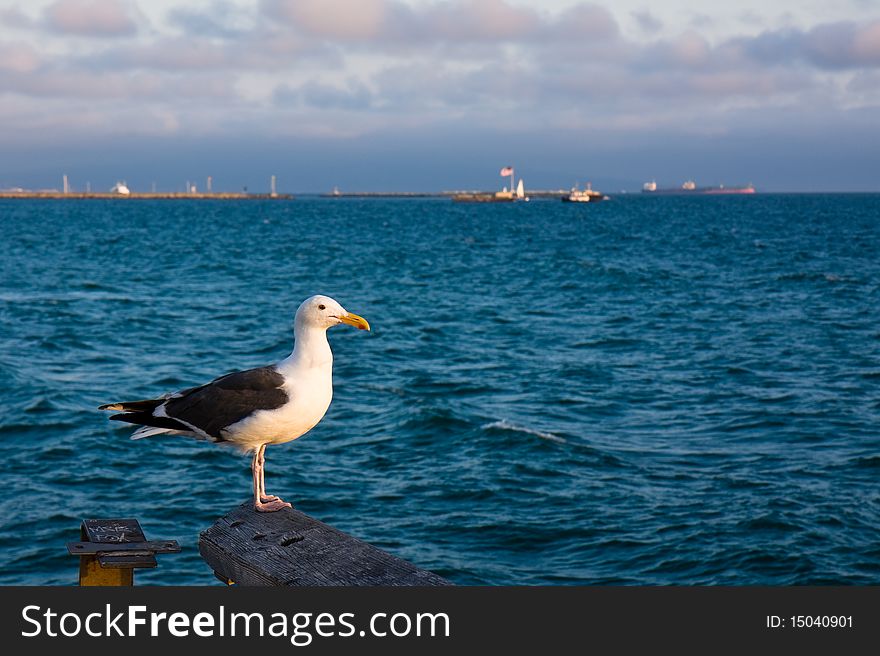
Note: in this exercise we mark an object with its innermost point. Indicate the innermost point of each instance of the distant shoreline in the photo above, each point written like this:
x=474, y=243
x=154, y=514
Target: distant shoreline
x=246, y=196
x=142, y=195
x=553, y=193
x=539, y=193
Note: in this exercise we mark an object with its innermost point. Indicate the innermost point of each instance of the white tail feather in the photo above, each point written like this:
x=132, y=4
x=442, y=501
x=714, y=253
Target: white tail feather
x=149, y=431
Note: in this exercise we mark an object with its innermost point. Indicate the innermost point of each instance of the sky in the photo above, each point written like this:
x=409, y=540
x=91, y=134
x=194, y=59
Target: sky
x=430, y=95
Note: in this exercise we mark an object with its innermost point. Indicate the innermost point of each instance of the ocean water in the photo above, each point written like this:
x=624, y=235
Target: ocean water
x=646, y=391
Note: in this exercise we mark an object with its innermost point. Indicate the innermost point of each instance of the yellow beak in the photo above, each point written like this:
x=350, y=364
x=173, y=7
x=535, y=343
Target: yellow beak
x=354, y=320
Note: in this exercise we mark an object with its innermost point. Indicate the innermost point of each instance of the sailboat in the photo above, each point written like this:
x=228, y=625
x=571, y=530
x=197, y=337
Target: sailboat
x=520, y=191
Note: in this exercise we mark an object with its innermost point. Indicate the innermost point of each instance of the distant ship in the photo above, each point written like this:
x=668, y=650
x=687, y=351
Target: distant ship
x=690, y=187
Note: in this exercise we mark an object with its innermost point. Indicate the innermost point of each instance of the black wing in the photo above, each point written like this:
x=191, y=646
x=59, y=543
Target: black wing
x=228, y=399
x=212, y=407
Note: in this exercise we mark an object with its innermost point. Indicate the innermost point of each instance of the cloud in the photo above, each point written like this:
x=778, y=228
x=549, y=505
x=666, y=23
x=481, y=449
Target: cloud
x=583, y=21
x=687, y=50
x=475, y=20
x=335, y=19
x=93, y=18
x=350, y=68
x=221, y=19
x=647, y=22
x=866, y=44
x=171, y=54
x=392, y=23
x=100, y=86
x=843, y=45
x=830, y=46
x=353, y=96
x=865, y=82
x=16, y=18
x=19, y=58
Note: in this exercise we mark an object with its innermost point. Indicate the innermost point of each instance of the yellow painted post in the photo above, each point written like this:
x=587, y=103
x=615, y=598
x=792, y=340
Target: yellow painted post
x=111, y=549
x=91, y=573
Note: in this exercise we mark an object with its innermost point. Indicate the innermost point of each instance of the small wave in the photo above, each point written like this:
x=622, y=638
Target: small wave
x=428, y=419
x=609, y=343
x=742, y=483
x=389, y=389
x=812, y=276
x=735, y=425
x=871, y=462
x=505, y=425
x=778, y=398
x=768, y=523
x=40, y=405
x=23, y=429
x=169, y=381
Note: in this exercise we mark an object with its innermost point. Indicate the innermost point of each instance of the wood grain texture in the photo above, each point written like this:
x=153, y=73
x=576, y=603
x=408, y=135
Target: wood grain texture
x=290, y=548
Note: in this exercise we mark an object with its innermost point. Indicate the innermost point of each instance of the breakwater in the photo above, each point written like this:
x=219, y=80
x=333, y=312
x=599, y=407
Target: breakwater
x=142, y=195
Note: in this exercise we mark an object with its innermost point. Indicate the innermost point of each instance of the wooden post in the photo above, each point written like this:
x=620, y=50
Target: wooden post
x=91, y=572
x=111, y=549
x=290, y=548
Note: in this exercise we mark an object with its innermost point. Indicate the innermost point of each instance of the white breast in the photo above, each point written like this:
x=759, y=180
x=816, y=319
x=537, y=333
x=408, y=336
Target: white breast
x=310, y=392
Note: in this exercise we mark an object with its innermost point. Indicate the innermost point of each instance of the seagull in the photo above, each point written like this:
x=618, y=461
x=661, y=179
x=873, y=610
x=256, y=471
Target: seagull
x=257, y=407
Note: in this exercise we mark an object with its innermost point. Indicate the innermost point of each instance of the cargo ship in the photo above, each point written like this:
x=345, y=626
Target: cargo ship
x=690, y=187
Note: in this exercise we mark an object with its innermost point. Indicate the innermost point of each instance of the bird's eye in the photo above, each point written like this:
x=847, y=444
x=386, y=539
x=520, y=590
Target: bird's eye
x=321, y=307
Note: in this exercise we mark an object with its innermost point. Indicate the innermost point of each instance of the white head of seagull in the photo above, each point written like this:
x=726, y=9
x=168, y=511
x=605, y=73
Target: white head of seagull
x=310, y=349
x=324, y=312
x=253, y=408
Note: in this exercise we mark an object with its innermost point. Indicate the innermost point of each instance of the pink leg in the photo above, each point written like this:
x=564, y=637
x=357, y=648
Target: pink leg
x=261, y=456
x=256, y=478
x=262, y=501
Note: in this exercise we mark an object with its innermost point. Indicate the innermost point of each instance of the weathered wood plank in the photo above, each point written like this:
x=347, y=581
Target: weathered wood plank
x=289, y=548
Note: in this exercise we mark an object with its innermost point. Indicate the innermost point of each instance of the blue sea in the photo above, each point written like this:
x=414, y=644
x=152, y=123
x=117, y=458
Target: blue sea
x=661, y=390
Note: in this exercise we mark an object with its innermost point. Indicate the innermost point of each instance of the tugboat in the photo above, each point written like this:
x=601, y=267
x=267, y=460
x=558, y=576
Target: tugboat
x=584, y=195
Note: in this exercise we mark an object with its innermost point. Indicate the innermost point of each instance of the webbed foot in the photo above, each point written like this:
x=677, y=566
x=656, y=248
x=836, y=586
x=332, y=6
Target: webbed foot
x=271, y=506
